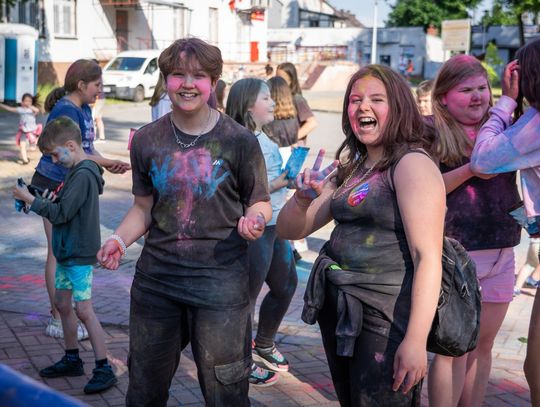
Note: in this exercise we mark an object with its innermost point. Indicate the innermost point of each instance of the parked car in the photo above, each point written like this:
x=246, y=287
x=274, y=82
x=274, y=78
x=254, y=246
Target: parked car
x=131, y=75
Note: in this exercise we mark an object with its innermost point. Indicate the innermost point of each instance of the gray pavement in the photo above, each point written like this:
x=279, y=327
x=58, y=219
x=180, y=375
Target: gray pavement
x=24, y=304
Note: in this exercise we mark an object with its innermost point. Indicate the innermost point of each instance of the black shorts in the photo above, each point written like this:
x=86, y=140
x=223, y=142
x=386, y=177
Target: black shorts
x=43, y=182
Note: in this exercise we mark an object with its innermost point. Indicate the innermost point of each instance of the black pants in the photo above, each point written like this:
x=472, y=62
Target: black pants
x=271, y=260
x=159, y=328
x=364, y=380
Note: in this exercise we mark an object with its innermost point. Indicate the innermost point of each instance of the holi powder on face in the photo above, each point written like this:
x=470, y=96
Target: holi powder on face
x=358, y=194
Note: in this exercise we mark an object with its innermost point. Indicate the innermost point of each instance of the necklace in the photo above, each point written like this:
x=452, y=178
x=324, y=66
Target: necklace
x=180, y=142
x=345, y=185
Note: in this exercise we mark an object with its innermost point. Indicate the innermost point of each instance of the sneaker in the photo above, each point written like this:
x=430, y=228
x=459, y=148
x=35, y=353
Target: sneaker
x=54, y=329
x=261, y=377
x=271, y=358
x=82, y=333
x=64, y=367
x=531, y=282
x=102, y=379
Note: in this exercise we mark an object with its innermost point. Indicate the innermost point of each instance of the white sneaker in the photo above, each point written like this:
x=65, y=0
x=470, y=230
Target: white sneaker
x=82, y=333
x=54, y=329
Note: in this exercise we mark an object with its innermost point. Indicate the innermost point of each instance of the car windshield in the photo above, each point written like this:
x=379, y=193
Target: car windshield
x=126, y=64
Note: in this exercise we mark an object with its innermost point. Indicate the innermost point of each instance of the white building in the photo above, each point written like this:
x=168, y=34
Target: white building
x=395, y=46
x=73, y=29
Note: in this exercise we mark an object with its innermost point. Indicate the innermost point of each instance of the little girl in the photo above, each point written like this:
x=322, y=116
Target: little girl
x=501, y=147
x=270, y=257
x=27, y=123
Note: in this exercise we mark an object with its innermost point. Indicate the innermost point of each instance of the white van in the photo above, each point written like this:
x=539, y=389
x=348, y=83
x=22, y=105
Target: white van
x=132, y=75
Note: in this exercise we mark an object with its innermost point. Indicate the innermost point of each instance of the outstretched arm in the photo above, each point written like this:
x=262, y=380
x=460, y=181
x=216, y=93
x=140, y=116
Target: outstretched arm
x=9, y=108
x=421, y=200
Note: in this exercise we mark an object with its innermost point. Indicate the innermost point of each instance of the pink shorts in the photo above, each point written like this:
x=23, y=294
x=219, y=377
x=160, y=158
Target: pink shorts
x=495, y=270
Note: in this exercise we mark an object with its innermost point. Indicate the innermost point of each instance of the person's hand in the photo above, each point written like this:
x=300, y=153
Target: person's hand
x=23, y=194
x=510, y=80
x=410, y=365
x=309, y=184
x=117, y=167
x=251, y=227
x=50, y=196
x=279, y=182
x=109, y=255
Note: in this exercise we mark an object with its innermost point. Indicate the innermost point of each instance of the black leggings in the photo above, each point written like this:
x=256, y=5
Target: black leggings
x=271, y=260
x=365, y=379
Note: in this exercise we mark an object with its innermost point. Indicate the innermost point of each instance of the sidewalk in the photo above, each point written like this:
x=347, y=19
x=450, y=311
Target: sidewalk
x=24, y=303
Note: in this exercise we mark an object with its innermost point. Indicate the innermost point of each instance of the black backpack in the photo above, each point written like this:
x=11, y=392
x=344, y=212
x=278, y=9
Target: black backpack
x=456, y=324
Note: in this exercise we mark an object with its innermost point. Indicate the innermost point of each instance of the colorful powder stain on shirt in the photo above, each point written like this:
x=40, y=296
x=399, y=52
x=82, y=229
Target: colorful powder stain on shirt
x=358, y=194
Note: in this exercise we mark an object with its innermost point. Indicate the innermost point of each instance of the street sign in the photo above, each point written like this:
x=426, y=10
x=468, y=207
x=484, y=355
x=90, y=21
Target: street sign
x=456, y=35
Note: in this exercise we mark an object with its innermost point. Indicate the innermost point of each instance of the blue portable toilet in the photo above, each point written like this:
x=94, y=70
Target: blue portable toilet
x=18, y=61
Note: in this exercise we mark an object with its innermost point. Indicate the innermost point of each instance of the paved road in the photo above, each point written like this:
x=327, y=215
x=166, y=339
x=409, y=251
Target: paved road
x=24, y=308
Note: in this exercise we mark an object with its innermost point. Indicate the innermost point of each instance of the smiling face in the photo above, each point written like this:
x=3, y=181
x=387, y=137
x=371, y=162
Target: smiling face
x=468, y=101
x=189, y=86
x=368, y=110
x=262, y=111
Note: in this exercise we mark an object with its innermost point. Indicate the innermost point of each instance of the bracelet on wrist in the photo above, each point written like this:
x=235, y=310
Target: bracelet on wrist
x=120, y=243
x=299, y=204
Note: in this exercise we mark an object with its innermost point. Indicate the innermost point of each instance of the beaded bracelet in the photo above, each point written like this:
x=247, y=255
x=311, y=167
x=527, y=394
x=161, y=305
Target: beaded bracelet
x=120, y=243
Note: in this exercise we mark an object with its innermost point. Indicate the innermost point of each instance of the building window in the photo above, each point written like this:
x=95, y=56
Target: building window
x=213, y=19
x=65, y=18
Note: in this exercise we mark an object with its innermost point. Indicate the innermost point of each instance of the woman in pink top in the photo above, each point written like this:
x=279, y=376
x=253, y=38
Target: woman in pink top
x=501, y=147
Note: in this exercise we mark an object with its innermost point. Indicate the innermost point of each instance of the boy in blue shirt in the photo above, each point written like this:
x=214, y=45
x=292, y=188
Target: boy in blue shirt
x=74, y=215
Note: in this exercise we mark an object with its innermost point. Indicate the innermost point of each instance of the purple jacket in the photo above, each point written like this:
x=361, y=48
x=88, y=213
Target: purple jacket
x=500, y=148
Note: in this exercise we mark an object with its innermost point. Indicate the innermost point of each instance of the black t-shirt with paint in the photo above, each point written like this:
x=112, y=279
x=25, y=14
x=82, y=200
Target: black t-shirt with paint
x=193, y=252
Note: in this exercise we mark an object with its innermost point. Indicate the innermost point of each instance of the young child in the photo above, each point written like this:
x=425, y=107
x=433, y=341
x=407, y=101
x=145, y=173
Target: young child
x=423, y=97
x=74, y=215
x=27, y=124
x=502, y=147
x=270, y=257
x=82, y=85
x=200, y=190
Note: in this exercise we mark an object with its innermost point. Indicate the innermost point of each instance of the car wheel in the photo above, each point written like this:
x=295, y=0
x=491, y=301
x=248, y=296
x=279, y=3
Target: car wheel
x=138, y=95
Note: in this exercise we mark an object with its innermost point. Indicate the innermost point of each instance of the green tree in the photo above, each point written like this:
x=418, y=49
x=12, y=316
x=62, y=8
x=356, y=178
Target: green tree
x=410, y=13
x=499, y=15
x=518, y=7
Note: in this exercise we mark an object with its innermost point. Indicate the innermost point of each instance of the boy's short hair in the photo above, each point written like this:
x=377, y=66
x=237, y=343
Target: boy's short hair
x=208, y=56
x=58, y=132
x=424, y=88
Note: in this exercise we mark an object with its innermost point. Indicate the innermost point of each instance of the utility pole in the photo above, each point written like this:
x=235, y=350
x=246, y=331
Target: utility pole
x=374, y=35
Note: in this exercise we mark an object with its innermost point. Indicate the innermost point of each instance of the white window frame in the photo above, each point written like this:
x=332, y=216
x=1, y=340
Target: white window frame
x=61, y=9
